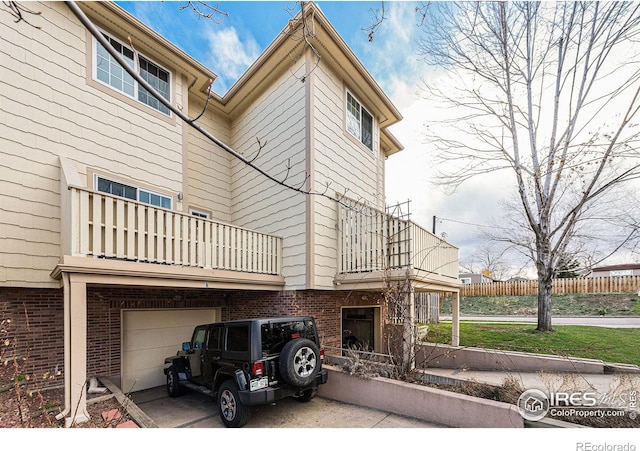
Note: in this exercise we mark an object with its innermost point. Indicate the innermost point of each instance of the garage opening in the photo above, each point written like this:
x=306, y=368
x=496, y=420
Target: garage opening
x=359, y=328
x=148, y=336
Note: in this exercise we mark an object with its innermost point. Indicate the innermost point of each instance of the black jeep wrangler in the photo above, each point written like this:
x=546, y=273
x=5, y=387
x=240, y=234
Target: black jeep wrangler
x=248, y=362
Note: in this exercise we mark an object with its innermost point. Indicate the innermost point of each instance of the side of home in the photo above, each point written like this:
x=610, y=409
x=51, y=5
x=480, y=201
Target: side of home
x=123, y=226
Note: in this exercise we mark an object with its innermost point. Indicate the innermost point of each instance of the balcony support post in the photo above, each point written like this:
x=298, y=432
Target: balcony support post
x=455, y=319
x=75, y=350
x=409, y=333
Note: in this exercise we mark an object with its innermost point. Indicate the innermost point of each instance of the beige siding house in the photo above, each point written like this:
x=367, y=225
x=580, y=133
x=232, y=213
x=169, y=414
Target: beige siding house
x=123, y=226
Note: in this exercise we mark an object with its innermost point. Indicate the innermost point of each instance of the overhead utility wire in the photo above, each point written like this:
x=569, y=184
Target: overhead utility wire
x=472, y=224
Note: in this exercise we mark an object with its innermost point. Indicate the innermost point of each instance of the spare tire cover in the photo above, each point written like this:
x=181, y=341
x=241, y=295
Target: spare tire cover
x=300, y=362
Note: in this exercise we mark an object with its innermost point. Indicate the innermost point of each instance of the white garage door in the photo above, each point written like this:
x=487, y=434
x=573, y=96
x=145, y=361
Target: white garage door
x=148, y=336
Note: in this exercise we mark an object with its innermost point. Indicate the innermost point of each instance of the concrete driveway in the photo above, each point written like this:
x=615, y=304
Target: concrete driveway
x=195, y=410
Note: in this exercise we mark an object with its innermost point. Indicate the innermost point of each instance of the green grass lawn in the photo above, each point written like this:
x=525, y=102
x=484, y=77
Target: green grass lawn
x=579, y=304
x=609, y=345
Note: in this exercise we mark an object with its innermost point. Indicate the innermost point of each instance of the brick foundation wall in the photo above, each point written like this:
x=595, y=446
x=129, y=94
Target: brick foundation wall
x=39, y=335
x=324, y=306
x=32, y=330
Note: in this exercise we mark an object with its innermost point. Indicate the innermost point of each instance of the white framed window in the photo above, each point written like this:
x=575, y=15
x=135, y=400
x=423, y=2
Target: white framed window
x=359, y=121
x=117, y=188
x=107, y=71
x=465, y=280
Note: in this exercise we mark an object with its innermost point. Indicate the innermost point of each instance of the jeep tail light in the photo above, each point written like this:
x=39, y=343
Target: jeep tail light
x=322, y=355
x=294, y=336
x=257, y=369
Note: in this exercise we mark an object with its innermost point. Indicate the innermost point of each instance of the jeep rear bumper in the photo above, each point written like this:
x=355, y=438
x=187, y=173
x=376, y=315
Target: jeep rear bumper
x=272, y=394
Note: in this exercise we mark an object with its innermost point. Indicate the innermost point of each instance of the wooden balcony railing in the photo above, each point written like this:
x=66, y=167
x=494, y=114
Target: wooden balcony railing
x=107, y=226
x=373, y=240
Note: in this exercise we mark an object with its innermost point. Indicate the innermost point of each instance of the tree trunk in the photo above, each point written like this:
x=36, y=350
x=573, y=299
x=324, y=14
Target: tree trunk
x=545, y=288
x=545, y=284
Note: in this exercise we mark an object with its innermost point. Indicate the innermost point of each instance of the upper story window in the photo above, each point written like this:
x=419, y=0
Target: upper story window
x=108, y=71
x=120, y=189
x=359, y=122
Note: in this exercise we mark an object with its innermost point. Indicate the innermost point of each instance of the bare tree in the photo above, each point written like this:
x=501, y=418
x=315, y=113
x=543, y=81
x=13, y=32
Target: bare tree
x=607, y=227
x=547, y=92
x=488, y=258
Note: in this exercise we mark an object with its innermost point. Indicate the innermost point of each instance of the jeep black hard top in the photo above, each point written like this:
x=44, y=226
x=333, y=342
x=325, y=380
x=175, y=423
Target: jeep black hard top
x=249, y=362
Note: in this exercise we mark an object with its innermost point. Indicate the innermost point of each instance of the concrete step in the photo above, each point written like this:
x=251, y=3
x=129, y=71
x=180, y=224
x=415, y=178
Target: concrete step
x=615, y=368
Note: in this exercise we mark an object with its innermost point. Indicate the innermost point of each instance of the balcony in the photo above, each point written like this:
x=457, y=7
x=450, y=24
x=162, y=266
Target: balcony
x=129, y=238
x=107, y=226
x=377, y=246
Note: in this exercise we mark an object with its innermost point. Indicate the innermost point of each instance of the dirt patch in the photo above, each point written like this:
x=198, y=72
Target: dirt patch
x=508, y=392
x=32, y=411
x=25, y=406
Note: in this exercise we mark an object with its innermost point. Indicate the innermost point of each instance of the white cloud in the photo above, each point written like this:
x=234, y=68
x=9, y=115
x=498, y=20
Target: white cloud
x=391, y=55
x=229, y=55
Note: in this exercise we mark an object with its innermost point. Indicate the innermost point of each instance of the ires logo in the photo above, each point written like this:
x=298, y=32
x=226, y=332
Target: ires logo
x=560, y=399
x=534, y=404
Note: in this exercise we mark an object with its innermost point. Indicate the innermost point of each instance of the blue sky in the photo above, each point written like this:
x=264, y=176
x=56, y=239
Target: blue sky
x=231, y=44
x=228, y=44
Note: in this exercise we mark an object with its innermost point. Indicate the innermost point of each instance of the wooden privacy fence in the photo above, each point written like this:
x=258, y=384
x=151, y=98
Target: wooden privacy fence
x=624, y=284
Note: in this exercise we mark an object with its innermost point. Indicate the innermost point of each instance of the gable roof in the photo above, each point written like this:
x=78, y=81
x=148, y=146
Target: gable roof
x=330, y=45
x=333, y=50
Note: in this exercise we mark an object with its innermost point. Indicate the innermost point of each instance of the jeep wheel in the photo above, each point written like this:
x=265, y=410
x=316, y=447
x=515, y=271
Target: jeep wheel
x=233, y=413
x=300, y=362
x=173, y=387
x=308, y=395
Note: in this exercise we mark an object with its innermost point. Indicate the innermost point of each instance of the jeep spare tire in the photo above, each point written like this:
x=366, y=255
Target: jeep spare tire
x=300, y=362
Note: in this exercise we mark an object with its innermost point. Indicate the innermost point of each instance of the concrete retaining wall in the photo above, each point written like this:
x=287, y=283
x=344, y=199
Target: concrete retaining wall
x=417, y=401
x=445, y=356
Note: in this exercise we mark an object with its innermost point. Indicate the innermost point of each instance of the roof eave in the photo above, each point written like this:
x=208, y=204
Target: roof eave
x=283, y=45
x=389, y=144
